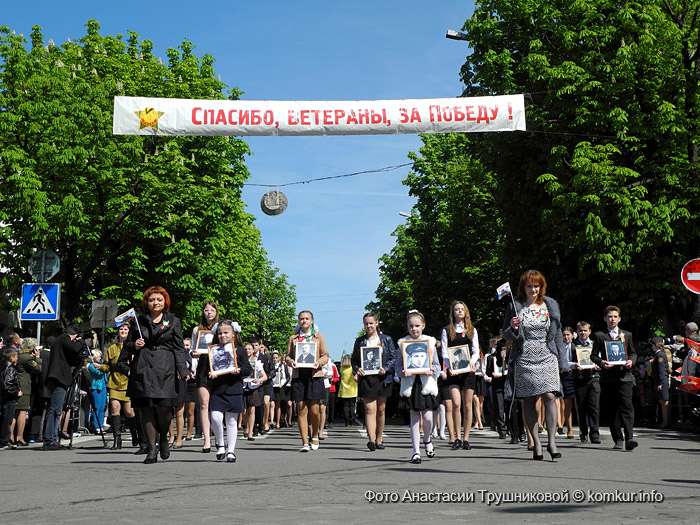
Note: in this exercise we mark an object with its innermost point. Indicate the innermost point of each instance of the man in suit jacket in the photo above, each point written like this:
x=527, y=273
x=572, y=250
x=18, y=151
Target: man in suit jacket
x=616, y=381
x=587, y=389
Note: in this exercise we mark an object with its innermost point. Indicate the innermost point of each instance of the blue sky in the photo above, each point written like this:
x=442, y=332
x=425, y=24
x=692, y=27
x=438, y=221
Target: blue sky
x=329, y=239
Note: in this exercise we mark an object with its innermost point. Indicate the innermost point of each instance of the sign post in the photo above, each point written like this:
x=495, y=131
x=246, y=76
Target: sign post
x=44, y=264
x=40, y=302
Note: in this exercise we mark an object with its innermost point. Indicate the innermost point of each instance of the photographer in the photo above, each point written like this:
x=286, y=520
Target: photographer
x=65, y=354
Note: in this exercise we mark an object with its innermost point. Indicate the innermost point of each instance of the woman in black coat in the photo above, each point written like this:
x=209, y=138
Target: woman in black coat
x=155, y=354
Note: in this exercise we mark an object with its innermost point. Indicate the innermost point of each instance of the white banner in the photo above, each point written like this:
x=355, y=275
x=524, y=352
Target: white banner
x=171, y=116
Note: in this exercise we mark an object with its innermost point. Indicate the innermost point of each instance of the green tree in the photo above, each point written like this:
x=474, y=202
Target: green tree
x=601, y=193
x=122, y=212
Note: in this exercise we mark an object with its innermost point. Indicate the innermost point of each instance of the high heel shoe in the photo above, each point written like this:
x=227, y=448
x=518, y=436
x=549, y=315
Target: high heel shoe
x=164, y=451
x=150, y=460
x=554, y=455
x=536, y=456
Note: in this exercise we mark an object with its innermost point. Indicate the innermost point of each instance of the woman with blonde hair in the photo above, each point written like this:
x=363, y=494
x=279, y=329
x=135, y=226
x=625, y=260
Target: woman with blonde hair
x=28, y=364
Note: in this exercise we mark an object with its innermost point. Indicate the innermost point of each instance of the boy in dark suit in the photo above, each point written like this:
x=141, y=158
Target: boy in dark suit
x=616, y=381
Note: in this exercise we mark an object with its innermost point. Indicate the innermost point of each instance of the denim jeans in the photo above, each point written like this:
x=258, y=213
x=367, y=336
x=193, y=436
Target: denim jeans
x=53, y=413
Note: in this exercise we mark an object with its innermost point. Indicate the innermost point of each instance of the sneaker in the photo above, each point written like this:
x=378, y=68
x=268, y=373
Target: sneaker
x=584, y=439
x=52, y=446
x=304, y=448
x=618, y=445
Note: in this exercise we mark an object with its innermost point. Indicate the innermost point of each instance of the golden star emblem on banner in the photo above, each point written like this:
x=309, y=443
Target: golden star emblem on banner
x=148, y=118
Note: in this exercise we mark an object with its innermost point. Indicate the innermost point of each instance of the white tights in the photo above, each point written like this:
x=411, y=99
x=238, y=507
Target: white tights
x=427, y=429
x=217, y=425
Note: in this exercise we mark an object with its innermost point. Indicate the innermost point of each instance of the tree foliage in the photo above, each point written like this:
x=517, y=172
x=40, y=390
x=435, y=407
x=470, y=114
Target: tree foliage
x=123, y=213
x=601, y=194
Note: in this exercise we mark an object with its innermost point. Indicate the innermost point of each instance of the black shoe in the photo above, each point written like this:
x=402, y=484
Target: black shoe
x=150, y=460
x=220, y=455
x=164, y=451
x=536, y=456
x=457, y=444
x=631, y=444
x=415, y=459
x=466, y=445
x=251, y=438
x=502, y=436
x=372, y=446
x=584, y=439
x=206, y=450
x=55, y=445
x=380, y=446
x=143, y=449
x=230, y=457
x=595, y=441
x=554, y=455
x=117, y=442
x=522, y=438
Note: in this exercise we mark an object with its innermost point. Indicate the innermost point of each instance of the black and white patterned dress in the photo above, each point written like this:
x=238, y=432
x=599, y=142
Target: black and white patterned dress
x=537, y=369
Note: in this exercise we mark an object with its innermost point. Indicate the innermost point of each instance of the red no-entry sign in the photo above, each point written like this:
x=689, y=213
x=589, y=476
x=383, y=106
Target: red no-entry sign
x=690, y=275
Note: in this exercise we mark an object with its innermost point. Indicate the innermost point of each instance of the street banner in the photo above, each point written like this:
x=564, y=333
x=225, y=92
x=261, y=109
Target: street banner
x=171, y=116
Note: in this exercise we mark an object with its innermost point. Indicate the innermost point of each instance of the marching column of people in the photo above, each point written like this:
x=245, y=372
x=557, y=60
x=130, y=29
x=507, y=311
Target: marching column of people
x=534, y=369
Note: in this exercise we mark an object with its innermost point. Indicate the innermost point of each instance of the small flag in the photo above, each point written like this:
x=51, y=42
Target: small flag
x=692, y=344
x=125, y=317
x=503, y=290
x=691, y=388
x=696, y=359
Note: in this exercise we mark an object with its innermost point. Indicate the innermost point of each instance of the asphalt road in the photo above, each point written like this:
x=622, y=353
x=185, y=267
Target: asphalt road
x=273, y=482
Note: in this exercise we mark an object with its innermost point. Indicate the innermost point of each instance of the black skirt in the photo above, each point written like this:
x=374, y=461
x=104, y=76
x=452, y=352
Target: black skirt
x=480, y=386
x=444, y=389
x=280, y=394
x=418, y=401
x=251, y=398
x=191, y=391
x=308, y=388
x=226, y=403
x=465, y=380
x=567, y=384
x=373, y=386
x=150, y=402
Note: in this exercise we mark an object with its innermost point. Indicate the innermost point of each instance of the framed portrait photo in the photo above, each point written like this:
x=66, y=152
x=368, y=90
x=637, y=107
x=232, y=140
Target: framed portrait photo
x=459, y=359
x=204, y=340
x=305, y=354
x=583, y=356
x=615, y=352
x=371, y=359
x=254, y=374
x=416, y=356
x=222, y=359
x=277, y=378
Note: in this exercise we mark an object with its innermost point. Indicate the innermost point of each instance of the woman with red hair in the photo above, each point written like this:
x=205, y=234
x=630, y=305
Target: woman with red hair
x=155, y=353
x=537, y=355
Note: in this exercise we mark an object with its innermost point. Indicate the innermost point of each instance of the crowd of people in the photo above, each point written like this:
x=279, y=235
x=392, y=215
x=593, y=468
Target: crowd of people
x=535, y=375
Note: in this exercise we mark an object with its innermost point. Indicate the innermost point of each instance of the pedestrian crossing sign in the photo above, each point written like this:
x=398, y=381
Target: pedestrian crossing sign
x=40, y=302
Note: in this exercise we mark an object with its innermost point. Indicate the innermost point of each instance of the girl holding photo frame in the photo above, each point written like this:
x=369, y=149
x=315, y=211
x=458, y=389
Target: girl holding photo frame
x=307, y=381
x=460, y=331
x=226, y=400
x=208, y=322
x=375, y=388
x=419, y=391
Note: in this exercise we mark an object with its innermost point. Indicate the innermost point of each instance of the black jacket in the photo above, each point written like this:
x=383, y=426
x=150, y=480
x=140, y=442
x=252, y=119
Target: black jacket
x=10, y=381
x=618, y=372
x=388, y=356
x=153, y=369
x=64, y=355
